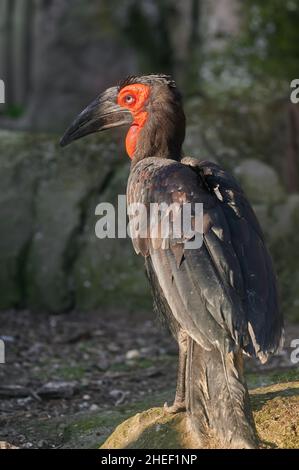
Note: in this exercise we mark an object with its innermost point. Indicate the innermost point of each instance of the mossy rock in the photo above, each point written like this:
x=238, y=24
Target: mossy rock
x=259, y=181
x=152, y=429
x=276, y=414
x=50, y=257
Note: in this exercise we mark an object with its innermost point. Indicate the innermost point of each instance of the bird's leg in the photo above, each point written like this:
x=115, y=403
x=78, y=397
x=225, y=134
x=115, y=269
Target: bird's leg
x=179, y=403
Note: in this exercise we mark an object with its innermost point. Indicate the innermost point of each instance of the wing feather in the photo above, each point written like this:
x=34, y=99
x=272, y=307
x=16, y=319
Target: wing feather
x=225, y=291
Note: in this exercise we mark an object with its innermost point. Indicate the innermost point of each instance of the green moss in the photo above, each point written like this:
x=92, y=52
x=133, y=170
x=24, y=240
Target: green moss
x=71, y=372
x=276, y=413
x=122, y=367
x=273, y=377
x=151, y=429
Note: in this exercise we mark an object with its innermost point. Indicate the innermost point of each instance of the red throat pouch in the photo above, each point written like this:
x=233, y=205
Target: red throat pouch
x=133, y=133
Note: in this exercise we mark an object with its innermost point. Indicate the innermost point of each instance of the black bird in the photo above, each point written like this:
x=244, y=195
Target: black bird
x=219, y=300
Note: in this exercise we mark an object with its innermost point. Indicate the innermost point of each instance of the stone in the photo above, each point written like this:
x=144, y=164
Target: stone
x=50, y=258
x=132, y=354
x=259, y=181
x=286, y=217
x=151, y=429
x=18, y=176
x=113, y=261
x=14, y=391
x=7, y=445
x=58, y=389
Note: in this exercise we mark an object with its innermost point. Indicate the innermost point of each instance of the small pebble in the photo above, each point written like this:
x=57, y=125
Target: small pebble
x=94, y=407
x=133, y=354
x=115, y=393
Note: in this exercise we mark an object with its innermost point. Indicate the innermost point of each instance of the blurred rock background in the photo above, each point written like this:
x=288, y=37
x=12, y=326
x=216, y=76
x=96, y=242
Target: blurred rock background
x=234, y=62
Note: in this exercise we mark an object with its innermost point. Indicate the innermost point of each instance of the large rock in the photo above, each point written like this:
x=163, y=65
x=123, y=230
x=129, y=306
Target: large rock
x=111, y=260
x=20, y=171
x=259, y=181
x=232, y=127
x=50, y=257
x=276, y=413
x=152, y=429
x=286, y=217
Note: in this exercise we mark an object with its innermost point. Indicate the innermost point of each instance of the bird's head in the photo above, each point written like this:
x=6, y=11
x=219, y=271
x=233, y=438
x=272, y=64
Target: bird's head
x=152, y=108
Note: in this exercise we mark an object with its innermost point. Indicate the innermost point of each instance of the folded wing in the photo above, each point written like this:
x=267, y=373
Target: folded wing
x=223, y=293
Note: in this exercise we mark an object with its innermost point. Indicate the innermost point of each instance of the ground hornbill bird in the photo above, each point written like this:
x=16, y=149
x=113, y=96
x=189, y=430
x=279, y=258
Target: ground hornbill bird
x=219, y=300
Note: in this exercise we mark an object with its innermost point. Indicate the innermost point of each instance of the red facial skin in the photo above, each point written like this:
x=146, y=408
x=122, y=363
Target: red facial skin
x=134, y=97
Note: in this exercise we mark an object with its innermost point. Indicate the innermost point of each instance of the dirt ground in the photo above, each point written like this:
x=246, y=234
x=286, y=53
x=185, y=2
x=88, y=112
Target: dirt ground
x=61, y=366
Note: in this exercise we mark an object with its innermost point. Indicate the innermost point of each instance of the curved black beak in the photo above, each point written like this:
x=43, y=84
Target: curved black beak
x=103, y=113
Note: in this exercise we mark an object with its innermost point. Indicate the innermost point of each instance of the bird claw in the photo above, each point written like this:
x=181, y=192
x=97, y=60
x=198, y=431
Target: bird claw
x=177, y=407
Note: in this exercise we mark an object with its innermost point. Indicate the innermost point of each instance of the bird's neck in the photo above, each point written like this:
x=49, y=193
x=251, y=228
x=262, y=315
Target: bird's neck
x=156, y=135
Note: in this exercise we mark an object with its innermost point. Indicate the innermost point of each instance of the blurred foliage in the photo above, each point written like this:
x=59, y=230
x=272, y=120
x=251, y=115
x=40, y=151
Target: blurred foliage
x=147, y=36
x=14, y=111
x=286, y=265
x=271, y=37
x=261, y=58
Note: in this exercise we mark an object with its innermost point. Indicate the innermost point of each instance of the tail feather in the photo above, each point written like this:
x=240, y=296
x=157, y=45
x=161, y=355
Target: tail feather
x=217, y=397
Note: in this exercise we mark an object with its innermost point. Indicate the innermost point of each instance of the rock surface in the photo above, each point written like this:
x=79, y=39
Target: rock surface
x=276, y=413
x=259, y=181
x=50, y=258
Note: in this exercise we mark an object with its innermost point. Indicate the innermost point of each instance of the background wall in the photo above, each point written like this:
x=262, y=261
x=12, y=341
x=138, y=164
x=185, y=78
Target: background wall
x=234, y=62
x=56, y=54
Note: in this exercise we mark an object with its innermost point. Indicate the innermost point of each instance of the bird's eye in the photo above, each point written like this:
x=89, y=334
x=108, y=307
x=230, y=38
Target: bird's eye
x=129, y=99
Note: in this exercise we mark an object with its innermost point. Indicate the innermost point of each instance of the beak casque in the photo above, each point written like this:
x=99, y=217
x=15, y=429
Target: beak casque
x=103, y=113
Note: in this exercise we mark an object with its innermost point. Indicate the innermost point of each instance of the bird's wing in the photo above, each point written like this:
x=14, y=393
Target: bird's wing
x=224, y=292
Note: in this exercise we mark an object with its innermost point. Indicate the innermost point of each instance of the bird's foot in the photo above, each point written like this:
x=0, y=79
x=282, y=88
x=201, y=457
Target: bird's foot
x=177, y=407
